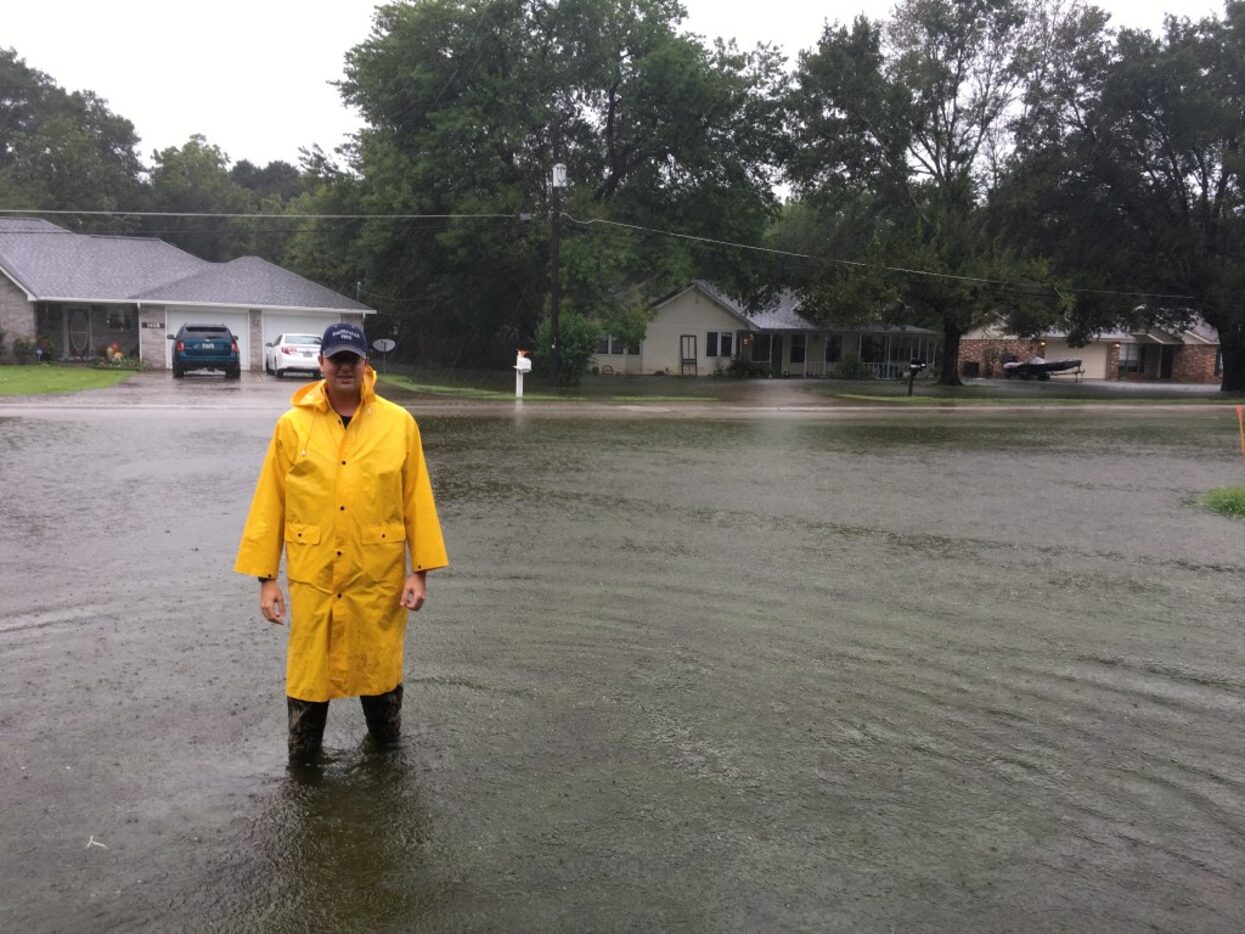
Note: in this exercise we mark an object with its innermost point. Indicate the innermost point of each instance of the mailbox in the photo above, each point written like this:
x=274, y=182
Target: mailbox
x=522, y=364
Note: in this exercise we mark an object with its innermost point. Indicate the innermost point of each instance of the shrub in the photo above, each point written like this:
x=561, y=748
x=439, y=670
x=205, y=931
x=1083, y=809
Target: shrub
x=118, y=363
x=851, y=367
x=578, y=337
x=749, y=369
x=23, y=349
x=1227, y=501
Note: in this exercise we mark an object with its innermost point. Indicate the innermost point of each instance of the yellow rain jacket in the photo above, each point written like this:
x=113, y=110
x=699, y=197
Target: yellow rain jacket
x=346, y=504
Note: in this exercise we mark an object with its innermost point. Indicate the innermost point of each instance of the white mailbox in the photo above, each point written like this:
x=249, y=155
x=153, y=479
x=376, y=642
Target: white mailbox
x=521, y=365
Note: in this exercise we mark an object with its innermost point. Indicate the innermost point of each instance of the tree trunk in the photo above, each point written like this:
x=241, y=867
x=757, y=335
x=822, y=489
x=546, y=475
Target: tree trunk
x=949, y=371
x=1233, y=349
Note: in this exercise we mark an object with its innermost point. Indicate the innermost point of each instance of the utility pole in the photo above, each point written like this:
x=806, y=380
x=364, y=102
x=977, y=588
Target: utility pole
x=557, y=183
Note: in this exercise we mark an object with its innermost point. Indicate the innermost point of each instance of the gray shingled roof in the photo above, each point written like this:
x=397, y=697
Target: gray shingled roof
x=54, y=264
x=783, y=314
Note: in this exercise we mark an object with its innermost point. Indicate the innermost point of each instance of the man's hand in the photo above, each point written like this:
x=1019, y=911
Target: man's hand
x=415, y=591
x=272, y=602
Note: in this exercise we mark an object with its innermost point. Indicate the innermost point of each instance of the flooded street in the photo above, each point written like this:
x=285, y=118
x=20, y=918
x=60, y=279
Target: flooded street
x=690, y=670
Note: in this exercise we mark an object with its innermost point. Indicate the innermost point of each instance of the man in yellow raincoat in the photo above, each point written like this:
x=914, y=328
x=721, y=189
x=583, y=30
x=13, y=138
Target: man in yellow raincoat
x=344, y=490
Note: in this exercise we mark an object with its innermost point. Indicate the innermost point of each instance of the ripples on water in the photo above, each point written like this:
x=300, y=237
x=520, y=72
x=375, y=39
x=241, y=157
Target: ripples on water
x=755, y=675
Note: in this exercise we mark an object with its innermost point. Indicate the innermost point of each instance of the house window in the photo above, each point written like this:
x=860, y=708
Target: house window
x=834, y=348
x=1130, y=358
x=119, y=319
x=1219, y=363
x=797, y=347
x=718, y=343
x=760, y=348
x=614, y=346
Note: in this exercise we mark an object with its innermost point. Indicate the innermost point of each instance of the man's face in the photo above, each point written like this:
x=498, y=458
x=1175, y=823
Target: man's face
x=343, y=371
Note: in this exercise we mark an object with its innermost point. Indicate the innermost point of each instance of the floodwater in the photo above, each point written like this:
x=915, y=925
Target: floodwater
x=927, y=671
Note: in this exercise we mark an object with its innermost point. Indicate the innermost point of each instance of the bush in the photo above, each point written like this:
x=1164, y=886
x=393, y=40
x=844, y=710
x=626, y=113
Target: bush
x=23, y=349
x=118, y=363
x=749, y=369
x=578, y=338
x=1227, y=501
x=1, y=342
x=851, y=367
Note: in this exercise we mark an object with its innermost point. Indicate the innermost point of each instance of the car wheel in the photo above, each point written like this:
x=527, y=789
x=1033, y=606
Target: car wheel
x=267, y=366
x=178, y=372
x=234, y=373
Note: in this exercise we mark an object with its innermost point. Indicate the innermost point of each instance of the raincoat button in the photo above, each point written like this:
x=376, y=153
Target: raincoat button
x=342, y=508
x=343, y=463
x=339, y=554
x=339, y=596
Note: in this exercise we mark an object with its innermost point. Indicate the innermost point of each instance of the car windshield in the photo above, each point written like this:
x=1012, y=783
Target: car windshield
x=208, y=331
x=311, y=339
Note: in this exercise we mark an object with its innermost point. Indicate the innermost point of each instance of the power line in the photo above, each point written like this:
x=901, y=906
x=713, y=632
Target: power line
x=636, y=228
x=225, y=215
x=863, y=265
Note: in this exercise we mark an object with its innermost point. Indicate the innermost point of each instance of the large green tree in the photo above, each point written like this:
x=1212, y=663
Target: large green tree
x=469, y=103
x=61, y=150
x=900, y=133
x=1133, y=171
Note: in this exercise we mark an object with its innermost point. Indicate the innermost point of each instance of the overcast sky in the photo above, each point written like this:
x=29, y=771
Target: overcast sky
x=254, y=76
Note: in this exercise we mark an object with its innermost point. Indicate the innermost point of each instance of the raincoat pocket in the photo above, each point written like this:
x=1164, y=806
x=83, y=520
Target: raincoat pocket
x=300, y=542
x=384, y=552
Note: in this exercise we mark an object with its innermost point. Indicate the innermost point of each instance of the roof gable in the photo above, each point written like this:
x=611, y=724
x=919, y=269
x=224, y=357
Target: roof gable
x=55, y=264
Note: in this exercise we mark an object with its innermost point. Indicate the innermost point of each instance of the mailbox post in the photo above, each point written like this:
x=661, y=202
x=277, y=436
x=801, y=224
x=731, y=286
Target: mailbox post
x=521, y=365
x=914, y=367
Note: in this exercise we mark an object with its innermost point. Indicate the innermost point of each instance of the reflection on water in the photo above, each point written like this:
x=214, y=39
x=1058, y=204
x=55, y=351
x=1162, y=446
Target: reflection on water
x=346, y=845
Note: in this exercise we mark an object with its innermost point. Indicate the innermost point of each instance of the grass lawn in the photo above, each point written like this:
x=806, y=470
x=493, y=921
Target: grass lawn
x=423, y=385
x=45, y=380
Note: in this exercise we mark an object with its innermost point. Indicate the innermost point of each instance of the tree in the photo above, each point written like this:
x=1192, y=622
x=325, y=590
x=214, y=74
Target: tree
x=913, y=118
x=462, y=98
x=1137, y=170
x=62, y=150
x=192, y=179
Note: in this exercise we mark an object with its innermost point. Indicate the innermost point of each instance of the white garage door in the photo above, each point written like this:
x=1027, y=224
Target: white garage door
x=281, y=323
x=239, y=322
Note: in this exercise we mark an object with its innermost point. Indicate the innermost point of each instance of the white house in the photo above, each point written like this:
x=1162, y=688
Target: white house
x=699, y=330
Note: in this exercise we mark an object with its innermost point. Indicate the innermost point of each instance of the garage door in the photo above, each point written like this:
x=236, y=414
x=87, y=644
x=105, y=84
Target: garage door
x=275, y=324
x=239, y=322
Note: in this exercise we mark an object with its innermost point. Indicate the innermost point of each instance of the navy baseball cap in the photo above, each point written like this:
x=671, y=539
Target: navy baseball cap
x=343, y=336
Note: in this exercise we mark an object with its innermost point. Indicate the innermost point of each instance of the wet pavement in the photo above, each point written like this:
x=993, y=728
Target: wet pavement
x=754, y=667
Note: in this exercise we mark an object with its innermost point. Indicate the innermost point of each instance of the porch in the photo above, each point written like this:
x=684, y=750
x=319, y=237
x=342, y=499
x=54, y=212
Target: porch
x=75, y=332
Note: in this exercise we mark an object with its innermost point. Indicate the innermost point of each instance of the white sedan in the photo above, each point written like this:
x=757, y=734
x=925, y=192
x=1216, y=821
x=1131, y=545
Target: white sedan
x=292, y=353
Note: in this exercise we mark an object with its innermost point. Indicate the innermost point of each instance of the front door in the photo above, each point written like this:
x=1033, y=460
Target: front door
x=687, y=355
x=79, y=331
x=1167, y=356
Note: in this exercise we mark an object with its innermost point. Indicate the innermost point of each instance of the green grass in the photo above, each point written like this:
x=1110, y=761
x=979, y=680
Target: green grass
x=476, y=392
x=46, y=380
x=466, y=392
x=1227, y=501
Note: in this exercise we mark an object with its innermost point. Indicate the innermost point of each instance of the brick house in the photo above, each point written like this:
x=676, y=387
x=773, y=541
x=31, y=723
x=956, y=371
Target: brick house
x=1180, y=356
x=82, y=293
